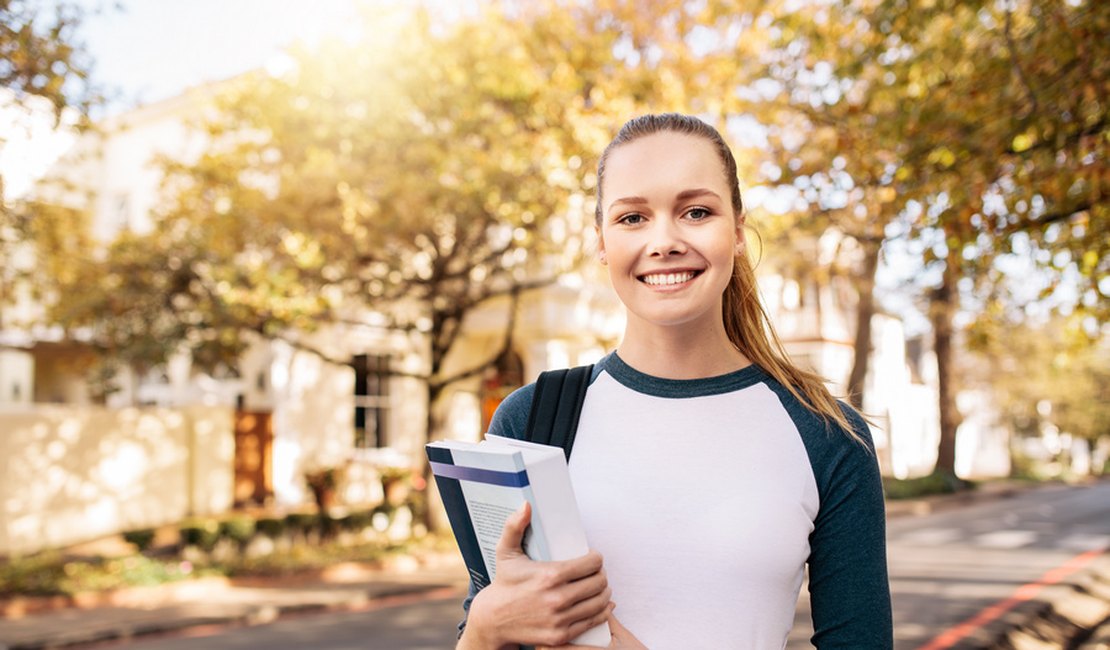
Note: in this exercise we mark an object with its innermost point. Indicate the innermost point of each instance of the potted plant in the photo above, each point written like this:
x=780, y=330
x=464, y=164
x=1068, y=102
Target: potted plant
x=324, y=483
x=396, y=484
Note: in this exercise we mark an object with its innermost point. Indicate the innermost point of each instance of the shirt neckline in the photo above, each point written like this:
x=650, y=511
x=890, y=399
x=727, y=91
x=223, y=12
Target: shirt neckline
x=641, y=382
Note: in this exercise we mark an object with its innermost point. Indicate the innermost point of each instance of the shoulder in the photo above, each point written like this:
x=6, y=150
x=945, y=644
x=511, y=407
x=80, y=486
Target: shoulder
x=511, y=416
x=832, y=450
x=821, y=431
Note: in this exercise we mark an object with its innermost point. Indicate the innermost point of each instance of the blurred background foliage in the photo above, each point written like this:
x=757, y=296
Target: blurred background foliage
x=435, y=164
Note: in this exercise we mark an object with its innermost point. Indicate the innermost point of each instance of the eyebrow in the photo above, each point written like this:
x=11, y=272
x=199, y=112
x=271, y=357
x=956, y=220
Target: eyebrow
x=684, y=195
x=690, y=194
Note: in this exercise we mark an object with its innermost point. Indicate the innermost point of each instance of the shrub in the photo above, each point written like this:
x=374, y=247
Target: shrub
x=301, y=523
x=50, y=574
x=143, y=538
x=238, y=529
x=200, y=533
x=935, y=483
x=358, y=521
x=34, y=575
x=270, y=527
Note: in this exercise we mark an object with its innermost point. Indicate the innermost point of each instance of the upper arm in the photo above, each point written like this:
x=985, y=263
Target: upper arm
x=511, y=417
x=848, y=583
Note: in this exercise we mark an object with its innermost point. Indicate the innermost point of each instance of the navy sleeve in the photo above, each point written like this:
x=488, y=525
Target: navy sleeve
x=509, y=420
x=848, y=583
x=511, y=416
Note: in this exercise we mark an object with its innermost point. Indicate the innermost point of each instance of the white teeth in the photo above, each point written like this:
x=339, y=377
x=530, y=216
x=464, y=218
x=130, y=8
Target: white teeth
x=660, y=279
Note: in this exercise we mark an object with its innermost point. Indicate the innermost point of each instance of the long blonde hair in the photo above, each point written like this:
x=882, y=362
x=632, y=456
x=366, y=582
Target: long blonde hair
x=746, y=322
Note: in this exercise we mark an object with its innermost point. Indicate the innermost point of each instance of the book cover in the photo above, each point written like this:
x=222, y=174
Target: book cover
x=482, y=484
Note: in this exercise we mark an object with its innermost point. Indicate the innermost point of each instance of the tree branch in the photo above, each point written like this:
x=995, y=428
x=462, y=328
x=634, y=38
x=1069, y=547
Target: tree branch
x=1011, y=47
x=301, y=346
x=506, y=345
x=1047, y=219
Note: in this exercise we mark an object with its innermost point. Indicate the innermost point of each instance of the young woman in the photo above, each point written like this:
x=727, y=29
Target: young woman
x=709, y=470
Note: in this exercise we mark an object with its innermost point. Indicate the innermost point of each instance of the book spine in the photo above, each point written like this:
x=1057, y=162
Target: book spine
x=459, y=515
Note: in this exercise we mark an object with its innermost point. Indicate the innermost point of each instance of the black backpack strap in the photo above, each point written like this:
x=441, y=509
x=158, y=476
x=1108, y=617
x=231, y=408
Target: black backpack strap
x=556, y=407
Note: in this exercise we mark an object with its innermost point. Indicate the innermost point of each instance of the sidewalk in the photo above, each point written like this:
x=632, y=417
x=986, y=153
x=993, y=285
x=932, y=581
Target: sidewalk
x=221, y=602
x=989, y=491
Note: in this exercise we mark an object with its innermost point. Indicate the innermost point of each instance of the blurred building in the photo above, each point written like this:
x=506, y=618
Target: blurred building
x=288, y=411
x=814, y=311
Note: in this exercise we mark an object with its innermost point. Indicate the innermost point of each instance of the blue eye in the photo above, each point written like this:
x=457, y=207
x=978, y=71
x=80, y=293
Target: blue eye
x=631, y=219
x=698, y=213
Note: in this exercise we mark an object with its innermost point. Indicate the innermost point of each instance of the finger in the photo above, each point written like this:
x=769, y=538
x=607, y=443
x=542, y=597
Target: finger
x=586, y=568
x=591, y=610
x=581, y=567
x=513, y=534
x=615, y=626
x=586, y=588
x=579, y=627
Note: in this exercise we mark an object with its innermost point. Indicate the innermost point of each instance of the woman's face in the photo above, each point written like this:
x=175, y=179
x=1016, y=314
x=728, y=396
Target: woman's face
x=668, y=232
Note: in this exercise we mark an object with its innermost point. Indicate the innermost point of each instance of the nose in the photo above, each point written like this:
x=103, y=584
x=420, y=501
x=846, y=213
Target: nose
x=665, y=239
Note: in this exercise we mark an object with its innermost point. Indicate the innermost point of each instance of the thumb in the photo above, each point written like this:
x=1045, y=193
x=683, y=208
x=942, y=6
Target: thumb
x=512, y=536
x=615, y=628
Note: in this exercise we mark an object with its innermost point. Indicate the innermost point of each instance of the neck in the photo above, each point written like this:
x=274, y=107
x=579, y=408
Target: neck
x=683, y=351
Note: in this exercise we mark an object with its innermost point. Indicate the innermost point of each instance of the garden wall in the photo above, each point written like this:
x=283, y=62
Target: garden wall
x=74, y=473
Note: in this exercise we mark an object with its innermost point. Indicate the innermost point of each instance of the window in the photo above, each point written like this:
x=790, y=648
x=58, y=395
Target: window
x=371, y=400
x=122, y=209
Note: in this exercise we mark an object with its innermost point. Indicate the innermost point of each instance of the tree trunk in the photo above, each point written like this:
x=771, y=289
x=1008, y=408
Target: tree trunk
x=432, y=504
x=865, y=309
x=942, y=309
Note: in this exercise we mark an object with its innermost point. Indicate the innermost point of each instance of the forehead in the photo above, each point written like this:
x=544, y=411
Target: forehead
x=663, y=162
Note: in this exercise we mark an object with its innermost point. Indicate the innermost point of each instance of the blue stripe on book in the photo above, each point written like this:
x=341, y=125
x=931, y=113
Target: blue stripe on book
x=490, y=476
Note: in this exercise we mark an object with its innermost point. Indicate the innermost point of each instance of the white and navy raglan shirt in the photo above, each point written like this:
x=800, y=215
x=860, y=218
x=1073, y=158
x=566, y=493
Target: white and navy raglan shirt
x=708, y=498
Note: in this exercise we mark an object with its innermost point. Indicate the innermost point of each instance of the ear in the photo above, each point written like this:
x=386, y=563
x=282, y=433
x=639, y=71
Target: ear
x=600, y=246
x=741, y=240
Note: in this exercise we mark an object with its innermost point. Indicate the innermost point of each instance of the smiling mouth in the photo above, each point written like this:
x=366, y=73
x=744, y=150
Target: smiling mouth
x=667, y=279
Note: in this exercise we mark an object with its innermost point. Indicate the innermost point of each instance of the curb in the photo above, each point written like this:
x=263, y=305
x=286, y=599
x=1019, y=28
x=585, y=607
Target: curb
x=21, y=606
x=928, y=505
x=249, y=616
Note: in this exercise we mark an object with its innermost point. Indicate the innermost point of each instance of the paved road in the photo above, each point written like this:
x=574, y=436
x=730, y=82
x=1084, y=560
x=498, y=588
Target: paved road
x=945, y=568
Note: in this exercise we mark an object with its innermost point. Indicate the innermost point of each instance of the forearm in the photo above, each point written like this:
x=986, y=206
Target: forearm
x=473, y=640
x=480, y=633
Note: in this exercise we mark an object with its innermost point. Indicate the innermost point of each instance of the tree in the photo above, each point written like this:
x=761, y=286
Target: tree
x=43, y=70
x=985, y=124
x=40, y=57
x=1046, y=373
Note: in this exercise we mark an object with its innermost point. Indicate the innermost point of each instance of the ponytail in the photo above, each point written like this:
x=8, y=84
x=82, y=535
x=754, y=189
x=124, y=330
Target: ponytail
x=750, y=330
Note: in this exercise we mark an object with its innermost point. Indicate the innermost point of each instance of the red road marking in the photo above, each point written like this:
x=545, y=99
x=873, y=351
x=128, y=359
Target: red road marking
x=953, y=635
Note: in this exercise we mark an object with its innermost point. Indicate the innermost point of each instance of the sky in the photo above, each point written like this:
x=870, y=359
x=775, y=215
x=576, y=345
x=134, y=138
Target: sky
x=143, y=51
x=147, y=50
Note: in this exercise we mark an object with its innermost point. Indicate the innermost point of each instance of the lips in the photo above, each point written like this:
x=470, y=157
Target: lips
x=668, y=278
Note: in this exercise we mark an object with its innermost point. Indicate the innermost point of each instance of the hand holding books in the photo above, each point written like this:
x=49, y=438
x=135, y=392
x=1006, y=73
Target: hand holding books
x=493, y=492
x=537, y=603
